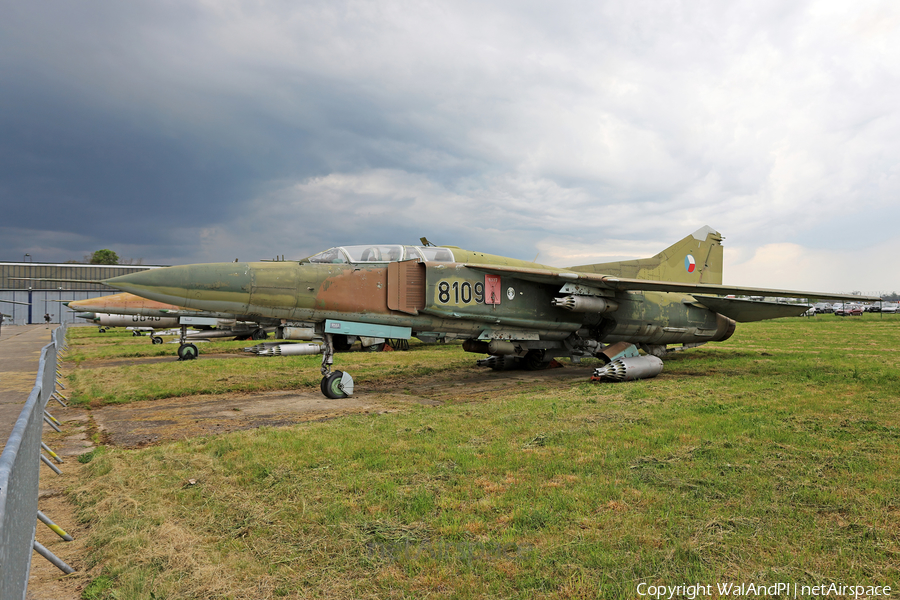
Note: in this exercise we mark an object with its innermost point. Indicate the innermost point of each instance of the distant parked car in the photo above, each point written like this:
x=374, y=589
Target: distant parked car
x=849, y=310
x=823, y=307
x=890, y=307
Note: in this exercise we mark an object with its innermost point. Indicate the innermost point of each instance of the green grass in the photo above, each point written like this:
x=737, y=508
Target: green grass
x=771, y=457
x=93, y=383
x=88, y=344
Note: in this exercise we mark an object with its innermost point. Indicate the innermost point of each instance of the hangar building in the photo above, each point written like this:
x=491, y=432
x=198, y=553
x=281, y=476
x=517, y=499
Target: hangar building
x=46, y=297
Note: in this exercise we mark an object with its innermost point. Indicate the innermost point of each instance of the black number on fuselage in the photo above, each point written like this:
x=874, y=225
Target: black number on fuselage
x=460, y=292
x=444, y=292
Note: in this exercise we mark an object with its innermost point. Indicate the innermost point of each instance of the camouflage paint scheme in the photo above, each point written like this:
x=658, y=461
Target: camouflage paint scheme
x=705, y=243
x=129, y=310
x=123, y=304
x=674, y=297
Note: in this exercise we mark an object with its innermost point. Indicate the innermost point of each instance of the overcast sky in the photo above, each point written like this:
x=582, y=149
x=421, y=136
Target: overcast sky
x=576, y=132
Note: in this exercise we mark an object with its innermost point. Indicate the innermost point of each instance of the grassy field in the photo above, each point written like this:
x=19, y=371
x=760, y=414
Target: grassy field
x=97, y=384
x=768, y=458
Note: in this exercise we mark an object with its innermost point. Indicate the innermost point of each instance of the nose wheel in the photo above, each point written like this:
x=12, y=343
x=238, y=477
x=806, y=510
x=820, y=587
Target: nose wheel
x=186, y=351
x=337, y=384
x=334, y=384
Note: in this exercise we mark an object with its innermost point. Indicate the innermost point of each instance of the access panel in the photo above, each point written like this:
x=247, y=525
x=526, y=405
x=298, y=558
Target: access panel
x=406, y=286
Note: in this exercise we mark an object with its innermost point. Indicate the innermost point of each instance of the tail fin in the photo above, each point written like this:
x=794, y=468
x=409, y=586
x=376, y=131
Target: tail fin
x=695, y=259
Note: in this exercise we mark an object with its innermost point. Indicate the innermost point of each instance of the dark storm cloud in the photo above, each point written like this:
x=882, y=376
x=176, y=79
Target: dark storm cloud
x=68, y=160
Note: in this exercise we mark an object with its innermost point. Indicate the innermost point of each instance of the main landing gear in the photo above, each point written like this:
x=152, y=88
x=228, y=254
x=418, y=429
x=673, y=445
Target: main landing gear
x=335, y=384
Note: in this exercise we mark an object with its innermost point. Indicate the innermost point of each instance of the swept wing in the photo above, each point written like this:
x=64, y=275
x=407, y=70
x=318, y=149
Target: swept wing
x=708, y=295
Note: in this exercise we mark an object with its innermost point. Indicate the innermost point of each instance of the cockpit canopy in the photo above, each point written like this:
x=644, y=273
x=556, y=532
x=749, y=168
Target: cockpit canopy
x=382, y=254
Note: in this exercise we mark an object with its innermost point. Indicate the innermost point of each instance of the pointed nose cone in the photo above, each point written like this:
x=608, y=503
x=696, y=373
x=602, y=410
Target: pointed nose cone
x=217, y=287
x=93, y=305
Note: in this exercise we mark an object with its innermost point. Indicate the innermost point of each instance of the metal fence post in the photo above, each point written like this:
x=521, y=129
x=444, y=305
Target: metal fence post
x=39, y=548
x=54, y=527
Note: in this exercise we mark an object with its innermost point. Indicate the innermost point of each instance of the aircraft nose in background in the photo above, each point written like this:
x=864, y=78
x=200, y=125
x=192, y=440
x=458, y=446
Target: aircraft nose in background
x=167, y=284
x=221, y=287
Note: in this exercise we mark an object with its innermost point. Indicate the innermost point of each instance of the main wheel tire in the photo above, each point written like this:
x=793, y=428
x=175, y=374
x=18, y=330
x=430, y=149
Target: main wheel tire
x=534, y=360
x=187, y=352
x=156, y=340
x=259, y=334
x=331, y=386
x=341, y=343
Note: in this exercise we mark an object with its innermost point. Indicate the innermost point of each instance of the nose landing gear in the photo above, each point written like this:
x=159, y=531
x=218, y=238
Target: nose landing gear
x=335, y=384
x=186, y=351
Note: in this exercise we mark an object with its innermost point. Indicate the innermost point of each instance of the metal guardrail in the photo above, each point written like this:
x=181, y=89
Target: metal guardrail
x=19, y=480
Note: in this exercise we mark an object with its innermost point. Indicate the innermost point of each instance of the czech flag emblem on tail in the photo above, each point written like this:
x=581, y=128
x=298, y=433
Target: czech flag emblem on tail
x=689, y=263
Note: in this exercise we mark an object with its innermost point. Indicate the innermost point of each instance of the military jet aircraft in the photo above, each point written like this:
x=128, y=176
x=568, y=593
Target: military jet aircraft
x=128, y=310
x=508, y=308
x=16, y=302
x=142, y=314
x=4, y=316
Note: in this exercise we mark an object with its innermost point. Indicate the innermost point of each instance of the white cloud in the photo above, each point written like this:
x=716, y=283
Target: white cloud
x=791, y=266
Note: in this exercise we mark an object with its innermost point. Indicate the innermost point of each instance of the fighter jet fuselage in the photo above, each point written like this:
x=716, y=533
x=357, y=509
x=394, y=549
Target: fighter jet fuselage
x=501, y=306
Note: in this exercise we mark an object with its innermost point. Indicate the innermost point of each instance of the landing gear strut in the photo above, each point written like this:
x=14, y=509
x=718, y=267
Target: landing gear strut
x=335, y=384
x=186, y=351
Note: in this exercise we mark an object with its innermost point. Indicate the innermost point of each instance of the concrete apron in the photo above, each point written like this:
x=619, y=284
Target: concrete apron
x=20, y=354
